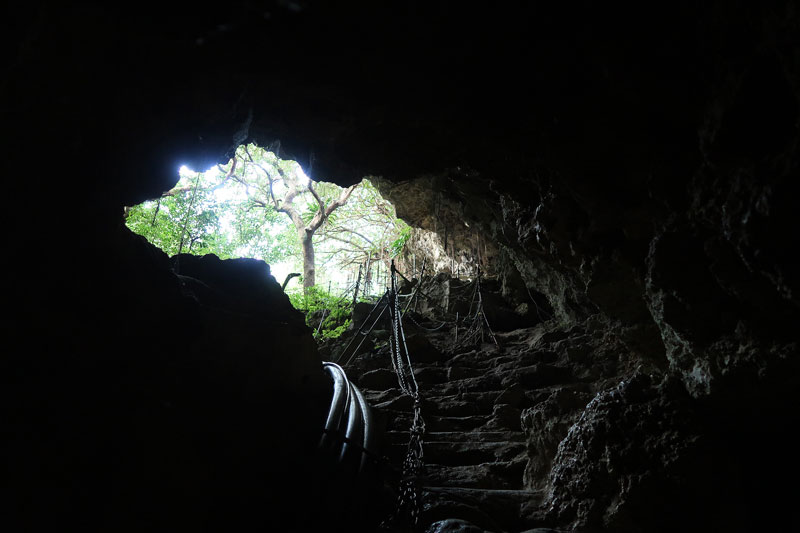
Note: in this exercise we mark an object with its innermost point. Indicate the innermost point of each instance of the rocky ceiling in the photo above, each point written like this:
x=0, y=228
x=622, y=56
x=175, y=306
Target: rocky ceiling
x=639, y=164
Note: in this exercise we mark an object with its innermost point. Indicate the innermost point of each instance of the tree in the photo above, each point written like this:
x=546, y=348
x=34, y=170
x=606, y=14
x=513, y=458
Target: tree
x=295, y=186
x=364, y=232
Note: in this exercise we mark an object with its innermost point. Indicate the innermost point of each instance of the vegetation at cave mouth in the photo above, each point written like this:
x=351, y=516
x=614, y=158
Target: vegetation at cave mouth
x=260, y=206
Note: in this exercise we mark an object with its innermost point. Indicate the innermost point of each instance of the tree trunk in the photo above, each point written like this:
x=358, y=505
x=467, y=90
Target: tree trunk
x=309, y=272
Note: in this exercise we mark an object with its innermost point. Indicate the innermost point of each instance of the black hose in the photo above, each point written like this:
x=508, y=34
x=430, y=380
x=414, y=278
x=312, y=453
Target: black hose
x=353, y=420
x=339, y=401
x=366, y=413
x=348, y=403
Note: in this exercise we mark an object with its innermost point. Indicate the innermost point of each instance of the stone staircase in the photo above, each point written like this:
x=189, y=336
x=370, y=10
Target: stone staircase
x=475, y=450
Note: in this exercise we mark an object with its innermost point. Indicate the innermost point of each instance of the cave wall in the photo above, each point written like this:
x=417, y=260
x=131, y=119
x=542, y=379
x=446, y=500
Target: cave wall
x=629, y=163
x=441, y=209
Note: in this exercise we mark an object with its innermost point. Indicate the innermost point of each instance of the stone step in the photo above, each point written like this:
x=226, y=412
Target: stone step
x=431, y=374
x=504, y=475
x=452, y=404
x=492, y=510
x=401, y=421
x=536, y=376
x=466, y=395
x=391, y=400
x=459, y=453
x=502, y=418
x=429, y=378
x=488, y=380
x=401, y=437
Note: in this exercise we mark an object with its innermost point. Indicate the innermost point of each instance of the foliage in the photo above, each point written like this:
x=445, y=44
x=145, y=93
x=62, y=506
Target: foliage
x=199, y=217
x=285, y=190
x=316, y=303
x=400, y=242
x=364, y=229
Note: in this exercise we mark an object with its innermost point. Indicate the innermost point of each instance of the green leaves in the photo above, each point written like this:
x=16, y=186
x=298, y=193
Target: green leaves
x=400, y=242
x=334, y=311
x=229, y=214
x=366, y=228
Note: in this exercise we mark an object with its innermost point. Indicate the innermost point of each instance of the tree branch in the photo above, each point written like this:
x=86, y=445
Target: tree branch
x=323, y=214
x=175, y=191
x=348, y=241
x=315, y=195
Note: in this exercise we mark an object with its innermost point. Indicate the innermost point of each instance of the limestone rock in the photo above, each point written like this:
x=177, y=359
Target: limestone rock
x=454, y=525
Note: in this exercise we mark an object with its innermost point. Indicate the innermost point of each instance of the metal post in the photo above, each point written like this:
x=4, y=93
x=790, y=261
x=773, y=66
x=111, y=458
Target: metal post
x=358, y=281
x=367, y=277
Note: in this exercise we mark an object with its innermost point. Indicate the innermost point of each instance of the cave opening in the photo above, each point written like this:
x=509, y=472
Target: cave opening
x=330, y=247
x=260, y=206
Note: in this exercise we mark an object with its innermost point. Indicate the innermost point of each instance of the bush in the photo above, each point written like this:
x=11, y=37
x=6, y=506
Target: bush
x=315, y=303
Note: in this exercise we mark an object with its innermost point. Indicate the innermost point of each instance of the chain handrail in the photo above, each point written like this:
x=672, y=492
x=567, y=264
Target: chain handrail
x=479, y=324
x=408, y=499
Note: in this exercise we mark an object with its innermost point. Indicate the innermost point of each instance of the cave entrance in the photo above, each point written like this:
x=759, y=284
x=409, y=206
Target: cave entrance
x=320, y=240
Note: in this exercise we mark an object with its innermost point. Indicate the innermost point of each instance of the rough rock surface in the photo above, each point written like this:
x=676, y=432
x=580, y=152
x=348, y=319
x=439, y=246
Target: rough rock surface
x=496, y=417
x=574, y=428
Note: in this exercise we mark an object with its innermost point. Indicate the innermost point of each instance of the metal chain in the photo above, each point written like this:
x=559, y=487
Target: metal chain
x=408, y=499
x=437, y=328
x=479, y=324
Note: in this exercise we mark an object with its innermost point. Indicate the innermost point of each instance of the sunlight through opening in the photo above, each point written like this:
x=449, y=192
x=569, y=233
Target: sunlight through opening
x=260, y=206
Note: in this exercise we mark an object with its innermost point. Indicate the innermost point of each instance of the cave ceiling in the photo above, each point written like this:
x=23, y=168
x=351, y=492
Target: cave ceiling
x=590, y=91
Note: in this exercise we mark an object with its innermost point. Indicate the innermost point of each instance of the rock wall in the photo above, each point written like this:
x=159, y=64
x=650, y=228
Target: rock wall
x=147, y=394
x=441, y=209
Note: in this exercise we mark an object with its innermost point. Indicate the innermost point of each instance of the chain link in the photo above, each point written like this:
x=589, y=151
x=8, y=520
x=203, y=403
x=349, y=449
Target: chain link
x=409, y=505
x=479, y=324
